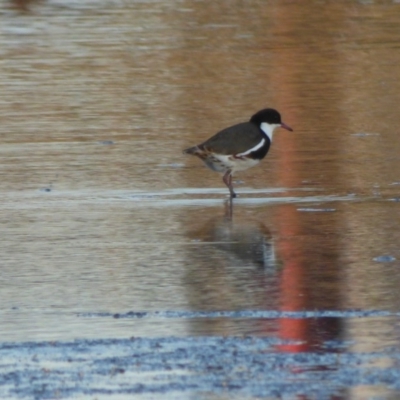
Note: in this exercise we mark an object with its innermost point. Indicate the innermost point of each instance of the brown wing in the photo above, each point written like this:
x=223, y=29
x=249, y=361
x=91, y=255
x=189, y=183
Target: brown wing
x=233, y=140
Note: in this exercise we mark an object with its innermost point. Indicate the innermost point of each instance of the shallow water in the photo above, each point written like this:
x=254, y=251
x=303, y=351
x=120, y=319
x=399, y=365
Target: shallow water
x=102, y=214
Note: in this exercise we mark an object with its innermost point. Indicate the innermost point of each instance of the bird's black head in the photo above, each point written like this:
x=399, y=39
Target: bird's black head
x=268, y=115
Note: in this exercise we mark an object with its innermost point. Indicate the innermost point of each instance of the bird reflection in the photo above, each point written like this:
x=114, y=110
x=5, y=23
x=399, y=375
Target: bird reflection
x=229, y=209
x=231, y=265
x=245, y=243
x=249, y=243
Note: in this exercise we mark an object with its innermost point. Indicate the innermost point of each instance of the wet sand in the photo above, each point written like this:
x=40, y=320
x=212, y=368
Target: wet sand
x=175, y=368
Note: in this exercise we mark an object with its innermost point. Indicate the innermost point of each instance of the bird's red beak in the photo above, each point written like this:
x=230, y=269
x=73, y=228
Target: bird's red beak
x=287, y=127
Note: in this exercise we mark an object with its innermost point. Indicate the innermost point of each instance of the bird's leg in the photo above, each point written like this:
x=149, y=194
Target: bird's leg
x=227, y=178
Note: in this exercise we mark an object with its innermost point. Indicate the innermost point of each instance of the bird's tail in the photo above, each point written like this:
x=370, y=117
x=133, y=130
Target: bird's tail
x=192, y=150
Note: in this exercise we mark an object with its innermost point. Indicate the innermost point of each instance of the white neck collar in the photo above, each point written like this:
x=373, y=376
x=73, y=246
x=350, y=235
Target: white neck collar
x=268, y=129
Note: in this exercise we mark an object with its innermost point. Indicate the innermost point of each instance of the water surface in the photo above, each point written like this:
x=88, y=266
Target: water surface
x=101, y=213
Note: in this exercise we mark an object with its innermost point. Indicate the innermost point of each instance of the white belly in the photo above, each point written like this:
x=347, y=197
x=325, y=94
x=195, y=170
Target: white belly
x=221, y=163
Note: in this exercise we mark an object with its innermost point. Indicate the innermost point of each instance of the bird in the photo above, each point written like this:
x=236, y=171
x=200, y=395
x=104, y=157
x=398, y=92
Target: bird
x=240, y=146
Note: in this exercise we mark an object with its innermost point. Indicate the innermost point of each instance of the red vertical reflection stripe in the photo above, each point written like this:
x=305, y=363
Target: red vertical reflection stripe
x=292, y=279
